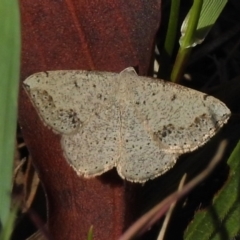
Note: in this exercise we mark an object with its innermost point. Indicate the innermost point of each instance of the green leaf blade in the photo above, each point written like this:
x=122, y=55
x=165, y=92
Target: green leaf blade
x=221, y=220
x=9, y=72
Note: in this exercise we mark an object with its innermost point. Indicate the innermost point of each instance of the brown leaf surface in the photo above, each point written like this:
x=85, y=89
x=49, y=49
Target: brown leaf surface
x=91, y=35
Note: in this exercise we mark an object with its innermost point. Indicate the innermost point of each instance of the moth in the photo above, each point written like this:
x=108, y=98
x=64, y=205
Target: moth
x=137, y=124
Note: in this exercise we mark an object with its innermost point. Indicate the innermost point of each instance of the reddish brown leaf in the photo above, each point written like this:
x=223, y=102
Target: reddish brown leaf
x=91, y=35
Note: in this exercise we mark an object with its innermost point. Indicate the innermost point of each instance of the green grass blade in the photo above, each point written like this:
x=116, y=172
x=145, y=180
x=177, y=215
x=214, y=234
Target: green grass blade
x=186, y=41
x=196, y=26
x=221, y=220
x=208, y=16
x=90, y=233
x=193, y=17
x=6, y=232
x=172, y=28
x=9, y=72
x=166, y=53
